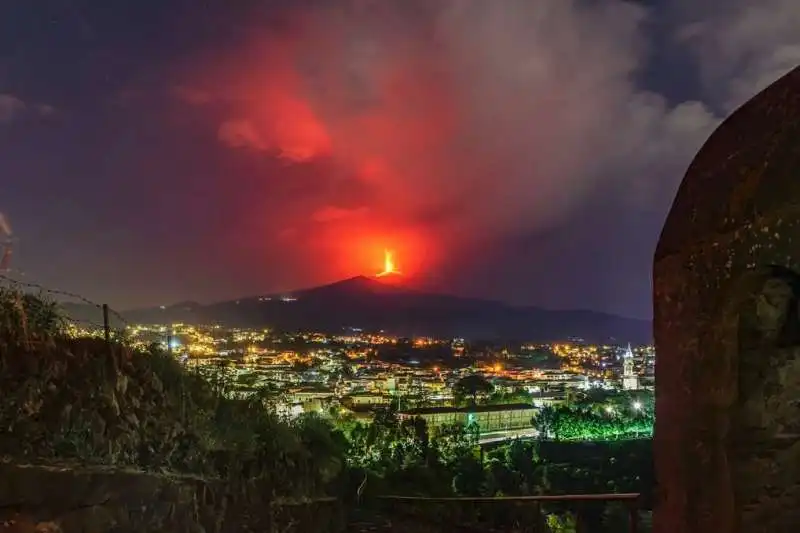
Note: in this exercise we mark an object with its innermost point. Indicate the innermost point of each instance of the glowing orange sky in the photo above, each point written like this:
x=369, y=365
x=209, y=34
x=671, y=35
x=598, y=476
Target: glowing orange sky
x=365, y=252
x=389, y=149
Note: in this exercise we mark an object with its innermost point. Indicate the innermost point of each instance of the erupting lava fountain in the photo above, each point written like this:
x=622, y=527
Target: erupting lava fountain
x=389, y=266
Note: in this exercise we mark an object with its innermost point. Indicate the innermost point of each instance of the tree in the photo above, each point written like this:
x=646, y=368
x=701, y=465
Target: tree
x=469, y=476
x=517, y=395
x=452, y=442
x=472, y=386
x=606, y=416
x=546, y=422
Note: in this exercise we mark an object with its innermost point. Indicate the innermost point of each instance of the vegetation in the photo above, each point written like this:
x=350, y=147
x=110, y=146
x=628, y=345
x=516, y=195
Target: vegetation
x=514, y=396
x=469, y=388
x=408, y=458
x=85, y=401
x=599, y=416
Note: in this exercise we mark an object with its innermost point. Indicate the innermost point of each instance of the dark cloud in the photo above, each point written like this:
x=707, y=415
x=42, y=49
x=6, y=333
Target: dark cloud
x=739, y=47
x=11, y=107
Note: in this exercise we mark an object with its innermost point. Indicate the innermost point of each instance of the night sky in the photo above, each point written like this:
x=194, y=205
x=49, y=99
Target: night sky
x=153, y=151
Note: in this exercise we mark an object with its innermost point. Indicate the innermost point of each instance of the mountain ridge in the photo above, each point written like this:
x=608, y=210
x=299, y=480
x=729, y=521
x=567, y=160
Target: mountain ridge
x=370, y=304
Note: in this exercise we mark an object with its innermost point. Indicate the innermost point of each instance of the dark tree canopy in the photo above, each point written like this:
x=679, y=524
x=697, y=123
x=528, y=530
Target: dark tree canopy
x=472, y=387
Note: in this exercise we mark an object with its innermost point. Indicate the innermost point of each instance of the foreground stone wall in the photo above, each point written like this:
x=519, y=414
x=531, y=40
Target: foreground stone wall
x=727, y=329
x=67, y=499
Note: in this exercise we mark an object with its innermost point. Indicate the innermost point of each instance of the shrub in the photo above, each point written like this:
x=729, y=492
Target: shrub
x=90, y=401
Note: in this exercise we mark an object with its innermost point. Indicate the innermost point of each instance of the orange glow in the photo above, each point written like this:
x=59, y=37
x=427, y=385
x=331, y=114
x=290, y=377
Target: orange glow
x=389, y=266
x=398, y=150
x=357, y=246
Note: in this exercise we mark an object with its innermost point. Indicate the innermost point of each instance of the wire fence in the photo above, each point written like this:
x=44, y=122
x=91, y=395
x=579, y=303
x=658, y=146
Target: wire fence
x=84, y=316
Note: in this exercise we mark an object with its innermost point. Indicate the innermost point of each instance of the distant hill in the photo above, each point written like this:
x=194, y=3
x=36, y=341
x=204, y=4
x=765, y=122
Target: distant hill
x=371, y=304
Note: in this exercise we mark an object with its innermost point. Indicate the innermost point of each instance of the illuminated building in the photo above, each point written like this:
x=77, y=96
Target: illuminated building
x=488, y=417
x=630, y=381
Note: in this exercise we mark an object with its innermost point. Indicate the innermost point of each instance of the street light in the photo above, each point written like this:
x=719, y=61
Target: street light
x=637, y=405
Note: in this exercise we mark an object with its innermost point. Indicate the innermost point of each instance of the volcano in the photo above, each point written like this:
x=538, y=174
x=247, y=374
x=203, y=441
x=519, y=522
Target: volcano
x=357, y=287
x=389, y=304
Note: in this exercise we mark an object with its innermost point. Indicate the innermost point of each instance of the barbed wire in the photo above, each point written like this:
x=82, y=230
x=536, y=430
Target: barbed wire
x=28, y=285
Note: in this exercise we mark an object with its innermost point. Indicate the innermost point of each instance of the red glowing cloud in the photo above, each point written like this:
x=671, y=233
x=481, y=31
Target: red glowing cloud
x=390, y=141
x=431, y=129
x=288, y=127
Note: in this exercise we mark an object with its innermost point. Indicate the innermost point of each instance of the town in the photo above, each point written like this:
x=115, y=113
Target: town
x=498, y=387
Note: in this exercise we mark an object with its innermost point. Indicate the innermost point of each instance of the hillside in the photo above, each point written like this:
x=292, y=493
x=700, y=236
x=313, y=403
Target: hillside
x=101, y=437
x=370, y=304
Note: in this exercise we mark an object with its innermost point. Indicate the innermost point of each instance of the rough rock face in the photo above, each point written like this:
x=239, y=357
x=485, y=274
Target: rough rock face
x=72, y=500
x=727, y=328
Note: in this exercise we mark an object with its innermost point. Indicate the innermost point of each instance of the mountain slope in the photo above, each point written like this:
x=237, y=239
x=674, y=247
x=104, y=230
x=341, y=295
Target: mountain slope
x=371, y=304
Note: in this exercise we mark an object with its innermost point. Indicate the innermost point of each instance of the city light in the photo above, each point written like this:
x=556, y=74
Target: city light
x=357, y=371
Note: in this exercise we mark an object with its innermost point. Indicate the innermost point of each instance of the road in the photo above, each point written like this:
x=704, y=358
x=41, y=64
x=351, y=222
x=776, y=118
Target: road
x=500, y=436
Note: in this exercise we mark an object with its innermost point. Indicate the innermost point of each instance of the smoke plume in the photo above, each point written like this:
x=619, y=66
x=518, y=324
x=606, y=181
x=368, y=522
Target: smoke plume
x=476, y=120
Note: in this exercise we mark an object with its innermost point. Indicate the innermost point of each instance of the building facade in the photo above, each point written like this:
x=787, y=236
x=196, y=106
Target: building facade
x=630, y=380
x=488, y=418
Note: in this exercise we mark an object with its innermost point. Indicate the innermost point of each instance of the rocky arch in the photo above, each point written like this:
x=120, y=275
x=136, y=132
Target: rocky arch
x=726, y=279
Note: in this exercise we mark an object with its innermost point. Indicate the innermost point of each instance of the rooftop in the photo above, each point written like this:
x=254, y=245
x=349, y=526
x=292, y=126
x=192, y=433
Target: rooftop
x=471, y=409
